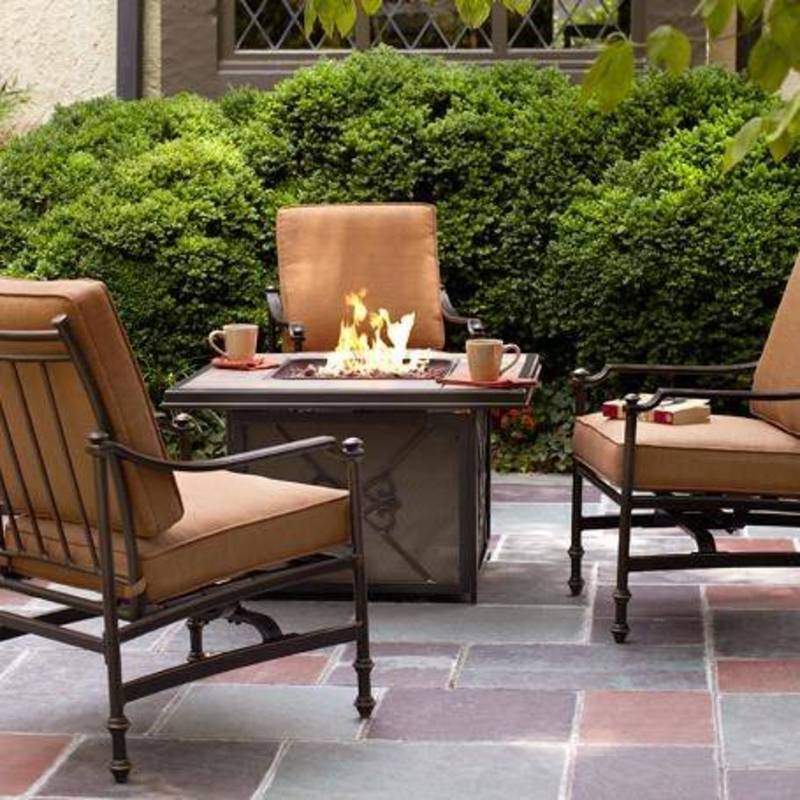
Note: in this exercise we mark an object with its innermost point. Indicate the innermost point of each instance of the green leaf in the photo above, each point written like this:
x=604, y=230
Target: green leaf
x=519, y=6
x=610, y=77
x=742, y=143
x=345, y=17
x=715, y=14
x=310, y=17
x=751, y=10
x=474, y=12
x=784, y=120
x=783, y=18
x=781, y=147
x=371, y=7
x=768, y=64
x=669, y=49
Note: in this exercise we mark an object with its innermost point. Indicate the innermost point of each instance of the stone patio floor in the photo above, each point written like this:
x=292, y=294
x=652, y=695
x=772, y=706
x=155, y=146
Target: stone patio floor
x=521, y=696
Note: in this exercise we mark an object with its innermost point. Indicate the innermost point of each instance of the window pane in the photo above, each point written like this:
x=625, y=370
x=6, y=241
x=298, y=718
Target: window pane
x=426, y=25
x=278, y=25
x=568, y=23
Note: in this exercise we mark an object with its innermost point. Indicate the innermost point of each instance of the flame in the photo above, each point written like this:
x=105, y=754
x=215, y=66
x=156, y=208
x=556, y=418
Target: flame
x=381, y=351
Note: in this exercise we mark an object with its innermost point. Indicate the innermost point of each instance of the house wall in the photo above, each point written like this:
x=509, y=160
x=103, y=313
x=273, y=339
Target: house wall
x=59, y=51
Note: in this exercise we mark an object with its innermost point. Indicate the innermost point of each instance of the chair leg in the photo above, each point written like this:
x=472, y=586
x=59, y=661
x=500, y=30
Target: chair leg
x=353, y=449
x=195, y=626
x=363, y=663
x=117, y=721
x=622, y=595
x=576, y=551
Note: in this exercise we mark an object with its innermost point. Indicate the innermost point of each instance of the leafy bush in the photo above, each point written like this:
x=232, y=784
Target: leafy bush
x=551, y=215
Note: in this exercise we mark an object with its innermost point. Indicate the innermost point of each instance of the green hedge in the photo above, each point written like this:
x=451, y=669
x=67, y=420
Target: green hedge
x=575, y=233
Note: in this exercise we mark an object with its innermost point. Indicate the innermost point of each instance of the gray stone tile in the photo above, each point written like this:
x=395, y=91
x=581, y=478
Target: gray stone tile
x=668, y=602
x=527, y=584
x=645, y=773
x=449, y=622
x=398, y=664
x=488, y=715
x=648, y=631
x=761, y=730
x=387, y=771
x=165, y=769
x=758, y=634
x=763, y=784
x=528, y=517
x=576, y=667
x=66, y=692
x=222, y=711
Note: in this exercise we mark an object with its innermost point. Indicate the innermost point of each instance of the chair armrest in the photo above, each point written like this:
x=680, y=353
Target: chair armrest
x=106, y=446
x=677, y=393
x=588, y=379
x=296, y=330
x=474, y=326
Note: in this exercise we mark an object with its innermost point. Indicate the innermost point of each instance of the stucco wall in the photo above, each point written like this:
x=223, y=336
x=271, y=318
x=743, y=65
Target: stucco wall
x=58, y=50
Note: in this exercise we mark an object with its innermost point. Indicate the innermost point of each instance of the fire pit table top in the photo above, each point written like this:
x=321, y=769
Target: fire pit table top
x=223, y=388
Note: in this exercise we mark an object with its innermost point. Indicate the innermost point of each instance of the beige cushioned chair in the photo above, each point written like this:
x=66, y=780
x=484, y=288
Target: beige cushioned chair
x=93, y=503
x=328, y=251
x=719, y=475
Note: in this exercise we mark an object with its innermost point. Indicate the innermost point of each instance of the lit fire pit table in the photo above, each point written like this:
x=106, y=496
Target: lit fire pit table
x=426, y=469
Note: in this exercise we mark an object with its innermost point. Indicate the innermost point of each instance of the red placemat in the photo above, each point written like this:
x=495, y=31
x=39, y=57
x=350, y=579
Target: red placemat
x=261, y=361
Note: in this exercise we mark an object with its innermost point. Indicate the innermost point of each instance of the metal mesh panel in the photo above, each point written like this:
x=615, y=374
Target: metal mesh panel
x=278, y=25
x=426, y=25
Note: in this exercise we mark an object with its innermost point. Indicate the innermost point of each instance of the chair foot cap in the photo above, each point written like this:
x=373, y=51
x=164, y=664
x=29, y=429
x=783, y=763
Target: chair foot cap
x=576, y=586
x=120, y=770
x=364, y=706
x=620, y=633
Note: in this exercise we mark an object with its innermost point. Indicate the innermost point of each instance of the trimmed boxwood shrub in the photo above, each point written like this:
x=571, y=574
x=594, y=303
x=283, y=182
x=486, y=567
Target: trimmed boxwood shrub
x=548, y=210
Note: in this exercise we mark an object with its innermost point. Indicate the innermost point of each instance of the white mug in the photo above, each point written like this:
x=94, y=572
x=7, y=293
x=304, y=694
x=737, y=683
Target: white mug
x=240, y=341
x=485, y=357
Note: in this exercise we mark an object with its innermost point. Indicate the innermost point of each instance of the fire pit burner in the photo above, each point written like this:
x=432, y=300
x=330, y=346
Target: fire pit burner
x=305, y=368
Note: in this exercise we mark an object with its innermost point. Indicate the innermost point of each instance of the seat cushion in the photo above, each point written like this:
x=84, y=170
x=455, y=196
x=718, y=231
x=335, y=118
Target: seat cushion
x=779, y=366
x=326, y=252
x=232, y=524
x=728, y=454
x=98, y=332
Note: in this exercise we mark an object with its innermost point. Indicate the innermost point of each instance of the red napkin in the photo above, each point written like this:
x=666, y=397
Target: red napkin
x=501, y=383
x=260, y=361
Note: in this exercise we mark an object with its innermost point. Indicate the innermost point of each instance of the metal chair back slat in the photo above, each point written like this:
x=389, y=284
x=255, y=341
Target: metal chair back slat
x=23, y=486
x=59, y=424
x=40, y=462
x=12, y=519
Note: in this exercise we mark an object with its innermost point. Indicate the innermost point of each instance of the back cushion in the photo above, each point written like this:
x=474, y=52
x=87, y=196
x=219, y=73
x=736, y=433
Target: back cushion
x=779, y=366
x=32, y=305
x=326, y=252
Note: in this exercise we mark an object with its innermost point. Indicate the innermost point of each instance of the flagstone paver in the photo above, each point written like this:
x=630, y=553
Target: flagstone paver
x=762, y=784
x=26, y=758
x=760, y=730
x=489, y=715
x=611, y=717
x=523, y=695
x=429, y=771
x=645, y=773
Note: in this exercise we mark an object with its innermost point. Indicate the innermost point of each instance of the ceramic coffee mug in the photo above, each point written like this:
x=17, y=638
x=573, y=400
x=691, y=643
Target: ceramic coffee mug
x=485, y=358
x=239, y=341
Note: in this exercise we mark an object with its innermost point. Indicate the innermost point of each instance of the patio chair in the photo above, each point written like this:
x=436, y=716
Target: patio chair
x=328, y=251
x=717, y=476
x=91, y=502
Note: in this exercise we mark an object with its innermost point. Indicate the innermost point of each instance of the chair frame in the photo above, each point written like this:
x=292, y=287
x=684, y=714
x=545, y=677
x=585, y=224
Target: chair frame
x=297, y=332
x=696, y=513
x=223, y=599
